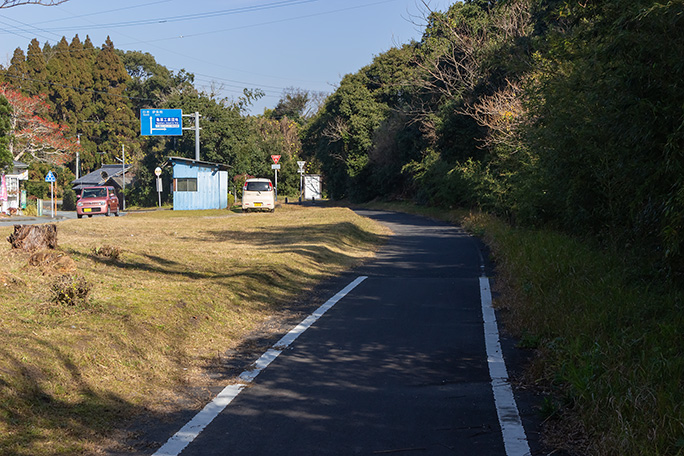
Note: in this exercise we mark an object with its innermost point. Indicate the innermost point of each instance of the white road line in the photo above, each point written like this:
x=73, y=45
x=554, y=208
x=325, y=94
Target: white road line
x=515, y=440
x=190, y=431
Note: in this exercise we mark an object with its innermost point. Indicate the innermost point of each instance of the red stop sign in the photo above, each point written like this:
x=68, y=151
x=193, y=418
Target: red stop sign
x=276, y=158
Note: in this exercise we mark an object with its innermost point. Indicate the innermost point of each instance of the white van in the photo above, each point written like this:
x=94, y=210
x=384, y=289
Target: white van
x=258, y=194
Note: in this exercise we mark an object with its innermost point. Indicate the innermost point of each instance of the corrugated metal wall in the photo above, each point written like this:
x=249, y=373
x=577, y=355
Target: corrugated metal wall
x=212, y=187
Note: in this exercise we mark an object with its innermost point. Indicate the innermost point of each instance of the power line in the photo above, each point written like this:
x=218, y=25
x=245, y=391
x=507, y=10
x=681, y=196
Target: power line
x=259, y=24
x=189, y=17
x=106, y=11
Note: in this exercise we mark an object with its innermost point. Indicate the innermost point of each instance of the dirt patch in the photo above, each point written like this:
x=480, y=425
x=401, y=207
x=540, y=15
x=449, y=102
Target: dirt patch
x=51, y=262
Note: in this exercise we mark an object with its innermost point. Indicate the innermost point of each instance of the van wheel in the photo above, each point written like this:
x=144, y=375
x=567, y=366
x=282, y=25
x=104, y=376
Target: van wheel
x=108, y=212
x=79, y=215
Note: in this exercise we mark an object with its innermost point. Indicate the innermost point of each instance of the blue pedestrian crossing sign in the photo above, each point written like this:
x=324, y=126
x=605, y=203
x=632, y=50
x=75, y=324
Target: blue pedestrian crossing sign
x=50, y=177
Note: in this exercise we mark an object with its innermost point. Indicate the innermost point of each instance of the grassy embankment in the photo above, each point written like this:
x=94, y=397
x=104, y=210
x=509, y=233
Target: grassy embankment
x=185, y=289
x=609, y=338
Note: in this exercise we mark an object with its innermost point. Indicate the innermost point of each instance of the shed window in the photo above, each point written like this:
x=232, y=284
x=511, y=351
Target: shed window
x=185, y=184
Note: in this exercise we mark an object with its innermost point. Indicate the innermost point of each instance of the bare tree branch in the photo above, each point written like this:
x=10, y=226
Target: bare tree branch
x=336, y=130
x=502, y=113
x=11, y=3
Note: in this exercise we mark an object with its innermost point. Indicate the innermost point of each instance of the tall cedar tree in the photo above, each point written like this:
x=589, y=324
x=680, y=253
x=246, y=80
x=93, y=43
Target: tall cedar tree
x=37, y=70
x=116, y=121
x=5, y=115
x=17, y=72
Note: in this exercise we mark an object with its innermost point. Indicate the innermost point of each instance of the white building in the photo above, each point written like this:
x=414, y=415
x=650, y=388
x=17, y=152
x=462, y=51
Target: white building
x=10, y=188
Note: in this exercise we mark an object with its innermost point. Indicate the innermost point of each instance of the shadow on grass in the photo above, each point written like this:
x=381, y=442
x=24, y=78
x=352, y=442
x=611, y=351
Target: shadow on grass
x=344, y=233
x=312, y=242
x=40, y=423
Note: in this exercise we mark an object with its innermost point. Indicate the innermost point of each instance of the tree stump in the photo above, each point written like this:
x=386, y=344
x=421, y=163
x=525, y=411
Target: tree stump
x=33, y=237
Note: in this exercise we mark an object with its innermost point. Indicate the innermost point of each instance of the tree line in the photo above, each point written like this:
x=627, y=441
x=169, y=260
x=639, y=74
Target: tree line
x=57, y=100
x=547, y=112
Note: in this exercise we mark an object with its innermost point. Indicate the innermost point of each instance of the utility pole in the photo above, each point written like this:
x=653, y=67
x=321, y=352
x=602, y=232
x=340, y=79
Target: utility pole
x=123, y=167
x=197, y=116
x=78, y=157
x=197, y=129
x=123, y=172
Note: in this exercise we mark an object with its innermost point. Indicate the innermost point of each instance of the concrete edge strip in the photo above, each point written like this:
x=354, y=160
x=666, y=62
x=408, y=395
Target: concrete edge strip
x=515, y=440
x=181, y=439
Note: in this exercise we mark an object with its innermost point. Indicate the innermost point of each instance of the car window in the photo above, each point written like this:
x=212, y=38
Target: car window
x=257, y=186
x=94, y=193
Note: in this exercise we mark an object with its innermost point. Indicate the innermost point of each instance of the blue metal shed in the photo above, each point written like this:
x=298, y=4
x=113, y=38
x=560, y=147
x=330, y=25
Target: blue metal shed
x=199, y=184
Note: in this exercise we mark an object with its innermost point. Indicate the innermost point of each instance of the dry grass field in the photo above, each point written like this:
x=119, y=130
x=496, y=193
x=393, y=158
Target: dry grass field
x=130, y=311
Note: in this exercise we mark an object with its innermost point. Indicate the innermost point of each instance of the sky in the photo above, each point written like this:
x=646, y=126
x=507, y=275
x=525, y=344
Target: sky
x=271, y=45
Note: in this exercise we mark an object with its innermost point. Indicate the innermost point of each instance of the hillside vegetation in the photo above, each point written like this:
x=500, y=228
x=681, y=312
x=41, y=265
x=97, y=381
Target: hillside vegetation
x=549, y=113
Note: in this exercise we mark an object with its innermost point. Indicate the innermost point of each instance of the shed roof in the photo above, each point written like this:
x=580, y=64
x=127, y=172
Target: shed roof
x=190, y=161
x=102, y=176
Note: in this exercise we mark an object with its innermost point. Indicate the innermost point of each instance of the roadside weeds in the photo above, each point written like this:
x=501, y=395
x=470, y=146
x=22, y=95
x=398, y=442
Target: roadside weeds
x=607, y=337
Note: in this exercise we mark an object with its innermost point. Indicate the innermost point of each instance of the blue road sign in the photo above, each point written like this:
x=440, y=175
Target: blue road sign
x=50, y=177
x=161, y=122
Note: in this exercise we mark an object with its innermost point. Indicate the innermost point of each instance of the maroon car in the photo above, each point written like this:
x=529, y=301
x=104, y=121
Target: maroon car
x=97, y=200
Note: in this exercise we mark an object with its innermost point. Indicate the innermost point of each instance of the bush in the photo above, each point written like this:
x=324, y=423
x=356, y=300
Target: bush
x=69, y=200
x=70, y=290
x=31, y=208
x=38, y=189
x=107, y=251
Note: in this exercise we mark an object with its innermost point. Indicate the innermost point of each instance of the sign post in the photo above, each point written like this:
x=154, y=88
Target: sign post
x=52, y=179
x=301, y=175
x=275, y=167
x=168, y=122
x=157, y=172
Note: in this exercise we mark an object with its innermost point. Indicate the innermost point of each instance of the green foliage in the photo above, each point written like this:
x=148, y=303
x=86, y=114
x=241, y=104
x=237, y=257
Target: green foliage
x=608, y=127
x=38, y=189
x=69, y=200
x=6, y=158
x=292, y=105
x=612, y=353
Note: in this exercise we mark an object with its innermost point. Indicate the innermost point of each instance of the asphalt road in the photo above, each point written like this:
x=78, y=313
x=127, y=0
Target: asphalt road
x=397, y=366
x=29, y=220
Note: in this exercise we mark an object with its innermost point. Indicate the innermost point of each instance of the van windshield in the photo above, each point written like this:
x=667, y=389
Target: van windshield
x=257, y=186
x=94, y=193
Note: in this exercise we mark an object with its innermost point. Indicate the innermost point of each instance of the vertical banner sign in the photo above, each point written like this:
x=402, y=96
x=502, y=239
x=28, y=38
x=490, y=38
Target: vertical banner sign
x=52, y=179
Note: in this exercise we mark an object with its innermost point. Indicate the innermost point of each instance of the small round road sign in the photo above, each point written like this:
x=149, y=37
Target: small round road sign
x=157, y=171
